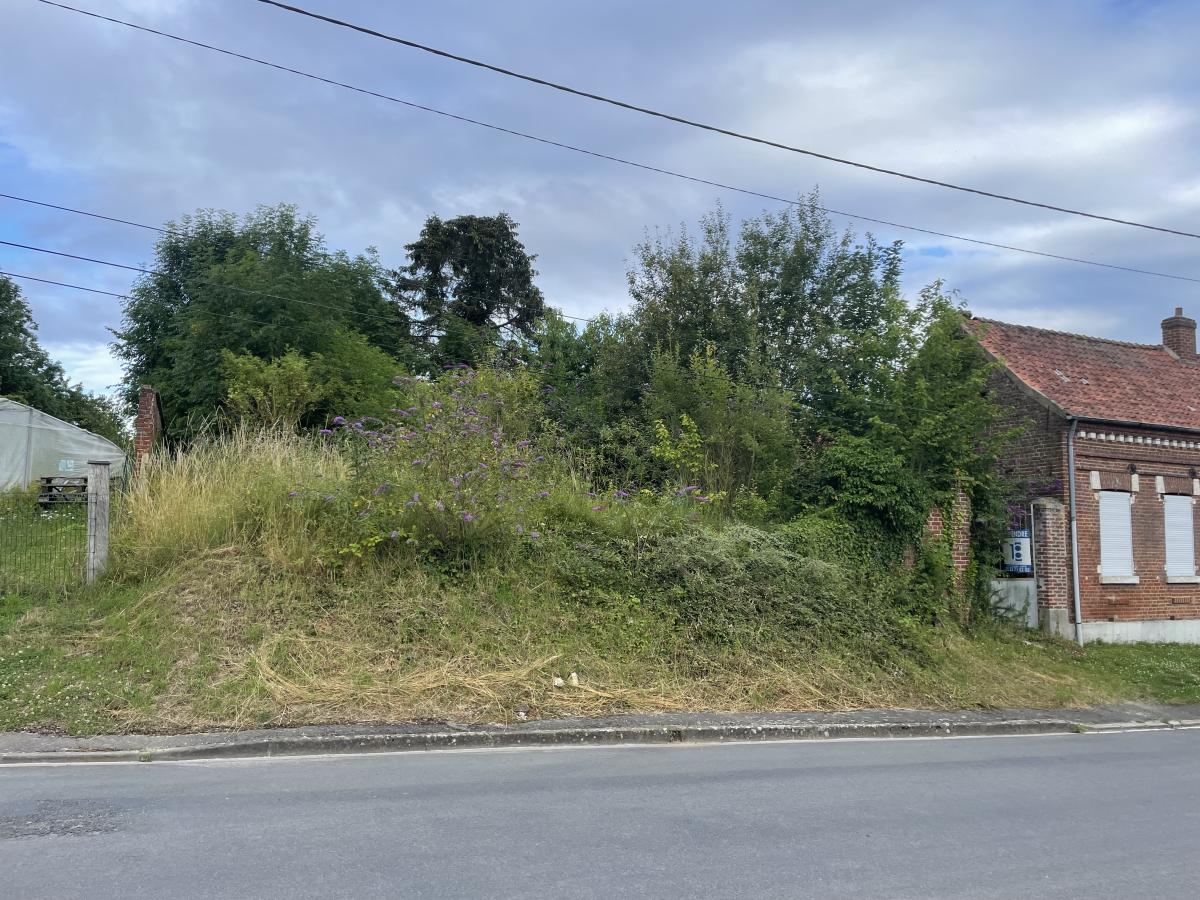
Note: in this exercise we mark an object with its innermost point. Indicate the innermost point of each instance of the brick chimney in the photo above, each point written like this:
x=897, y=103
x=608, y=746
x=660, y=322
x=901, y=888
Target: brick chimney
x=147, y=427
x=1179, y=334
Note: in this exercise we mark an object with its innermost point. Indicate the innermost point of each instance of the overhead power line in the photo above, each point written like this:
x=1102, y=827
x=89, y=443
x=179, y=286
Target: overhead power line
x=240, y=318
x=92, y=290
x=592, y=153
x=704, y=126
x=217, y=284
x=1089, y=262
x=161, y=274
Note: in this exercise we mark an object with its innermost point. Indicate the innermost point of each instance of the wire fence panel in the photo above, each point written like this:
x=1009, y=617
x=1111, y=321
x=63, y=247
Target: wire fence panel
x=43, y=544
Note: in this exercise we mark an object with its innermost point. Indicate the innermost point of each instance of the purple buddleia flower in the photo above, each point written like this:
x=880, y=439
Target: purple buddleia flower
x=468, y=517
x=523, y=443
x=520, y=529
x=339, y=420
x=621, y=495
x=326, y=431
x=439, y=505
x=534, y=535
x=382, y=489
x=543, y=494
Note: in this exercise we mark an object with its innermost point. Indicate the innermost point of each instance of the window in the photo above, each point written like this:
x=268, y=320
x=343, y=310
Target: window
x=1180, y=537
x=1116, y=536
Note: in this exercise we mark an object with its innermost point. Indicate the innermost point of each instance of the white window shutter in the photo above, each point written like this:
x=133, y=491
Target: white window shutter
x=1116, y=535
x=1180, y=538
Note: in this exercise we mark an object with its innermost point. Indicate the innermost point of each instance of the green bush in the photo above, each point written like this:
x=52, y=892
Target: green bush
x=740, y=586
x=466, y=467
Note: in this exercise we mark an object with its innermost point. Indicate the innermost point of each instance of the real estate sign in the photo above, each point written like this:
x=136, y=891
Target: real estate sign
x=1017, y=553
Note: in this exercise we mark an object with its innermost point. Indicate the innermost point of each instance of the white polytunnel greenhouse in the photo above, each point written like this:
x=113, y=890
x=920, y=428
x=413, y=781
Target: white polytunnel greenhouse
x=35, y=445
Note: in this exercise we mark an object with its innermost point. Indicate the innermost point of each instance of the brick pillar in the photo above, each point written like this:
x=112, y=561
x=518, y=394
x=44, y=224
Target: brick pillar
x=954, y=528
x=1052, y=566
x=960, y=535
x=147, y=427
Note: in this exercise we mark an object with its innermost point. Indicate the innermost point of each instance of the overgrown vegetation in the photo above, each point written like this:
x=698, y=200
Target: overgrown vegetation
x=425, y=494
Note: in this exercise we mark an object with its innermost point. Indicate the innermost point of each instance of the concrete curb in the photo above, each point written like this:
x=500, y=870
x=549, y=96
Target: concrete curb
x=236, y=747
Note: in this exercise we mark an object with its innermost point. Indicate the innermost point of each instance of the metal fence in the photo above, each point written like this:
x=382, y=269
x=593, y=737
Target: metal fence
x=55, y=536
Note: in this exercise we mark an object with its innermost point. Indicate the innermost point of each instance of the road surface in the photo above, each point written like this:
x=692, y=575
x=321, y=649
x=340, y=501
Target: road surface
x=1099, y=815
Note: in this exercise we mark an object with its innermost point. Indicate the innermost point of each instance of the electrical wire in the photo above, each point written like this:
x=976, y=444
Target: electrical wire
x=217, y=284
x=610, y=158
x=692, y=123
x=92, y=290
x=79, y=287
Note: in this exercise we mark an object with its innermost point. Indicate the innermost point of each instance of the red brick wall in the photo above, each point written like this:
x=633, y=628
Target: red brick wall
x=1171, y=457
x=1037, y=460
x=148, y=425
x=1036, y=457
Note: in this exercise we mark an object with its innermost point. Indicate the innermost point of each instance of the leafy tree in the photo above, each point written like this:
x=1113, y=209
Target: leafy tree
x=355, y=378
x=278, y=393
x=828, y=313
x=688, y=295
x=28, y=374
x=259, y=287
x=470, y=280
x=741, y=432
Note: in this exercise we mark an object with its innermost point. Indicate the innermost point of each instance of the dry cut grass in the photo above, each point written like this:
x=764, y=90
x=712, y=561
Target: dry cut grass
x=225, y=643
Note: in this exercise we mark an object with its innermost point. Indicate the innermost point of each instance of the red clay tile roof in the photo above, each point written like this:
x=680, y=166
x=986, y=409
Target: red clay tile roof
x=1097, y=378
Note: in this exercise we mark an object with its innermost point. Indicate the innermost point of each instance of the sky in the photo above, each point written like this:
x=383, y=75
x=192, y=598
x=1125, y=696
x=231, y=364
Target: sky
x=1090, y=105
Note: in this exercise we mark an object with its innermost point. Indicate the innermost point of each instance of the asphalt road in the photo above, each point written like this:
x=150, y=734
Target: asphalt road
x=1100, y=815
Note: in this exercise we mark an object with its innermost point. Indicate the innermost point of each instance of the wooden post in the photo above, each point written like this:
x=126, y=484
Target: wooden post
x=97, y=518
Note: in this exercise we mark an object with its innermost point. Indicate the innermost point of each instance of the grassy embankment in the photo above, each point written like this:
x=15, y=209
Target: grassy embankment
x=242, y=594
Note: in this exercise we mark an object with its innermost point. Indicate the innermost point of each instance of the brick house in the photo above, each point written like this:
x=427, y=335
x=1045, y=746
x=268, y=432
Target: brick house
x=1108, y=457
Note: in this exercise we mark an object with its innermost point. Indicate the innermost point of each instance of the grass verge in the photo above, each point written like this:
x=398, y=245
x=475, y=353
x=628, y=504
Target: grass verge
x=225, y=641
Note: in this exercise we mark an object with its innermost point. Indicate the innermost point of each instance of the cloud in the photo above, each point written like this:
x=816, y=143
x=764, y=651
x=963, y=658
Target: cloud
x=1084, y=105
x=88, y=363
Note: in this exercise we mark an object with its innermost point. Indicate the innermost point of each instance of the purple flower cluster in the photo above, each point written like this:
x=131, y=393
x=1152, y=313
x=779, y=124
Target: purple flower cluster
x=446, y=468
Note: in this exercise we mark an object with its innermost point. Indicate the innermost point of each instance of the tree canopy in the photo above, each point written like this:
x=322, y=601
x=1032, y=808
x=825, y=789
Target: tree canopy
x=470, y=281
x=260, y=287
x=28, y=374
x=773, y=364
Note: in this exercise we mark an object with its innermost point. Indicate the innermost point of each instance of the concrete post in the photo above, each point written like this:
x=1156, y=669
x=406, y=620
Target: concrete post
x=97, y=518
